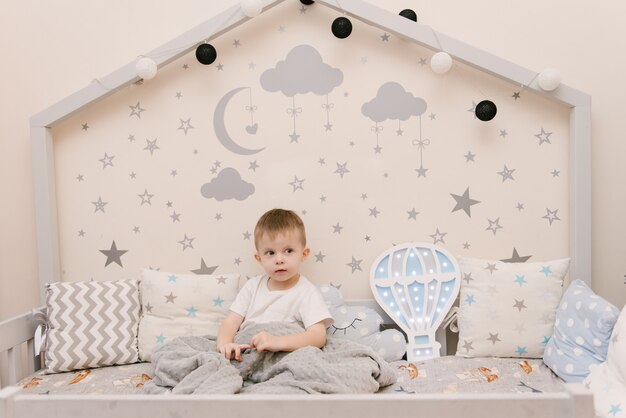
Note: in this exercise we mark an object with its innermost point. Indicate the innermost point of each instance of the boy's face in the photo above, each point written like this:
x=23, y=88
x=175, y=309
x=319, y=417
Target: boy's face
x=281, y=256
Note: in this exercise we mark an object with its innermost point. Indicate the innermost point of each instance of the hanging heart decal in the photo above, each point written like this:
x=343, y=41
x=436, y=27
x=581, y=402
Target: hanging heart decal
x=251, y=129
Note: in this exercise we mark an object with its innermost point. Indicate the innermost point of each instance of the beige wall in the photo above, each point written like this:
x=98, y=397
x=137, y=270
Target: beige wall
x=52, y=49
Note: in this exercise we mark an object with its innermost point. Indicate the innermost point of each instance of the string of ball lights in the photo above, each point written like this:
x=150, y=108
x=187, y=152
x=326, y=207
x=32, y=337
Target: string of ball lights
x=440, y=63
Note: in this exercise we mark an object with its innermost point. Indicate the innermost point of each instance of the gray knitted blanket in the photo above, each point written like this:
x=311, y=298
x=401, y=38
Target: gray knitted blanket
x=192, y=365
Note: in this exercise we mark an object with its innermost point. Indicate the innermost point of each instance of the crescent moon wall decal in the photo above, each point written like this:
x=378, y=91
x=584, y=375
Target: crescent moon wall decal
x=220, y=126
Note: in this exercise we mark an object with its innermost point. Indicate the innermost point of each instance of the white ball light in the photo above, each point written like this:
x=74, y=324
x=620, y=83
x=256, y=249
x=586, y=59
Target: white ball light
x=549, y=79
x=441, y=62
x=146, y=68
x=251, y=8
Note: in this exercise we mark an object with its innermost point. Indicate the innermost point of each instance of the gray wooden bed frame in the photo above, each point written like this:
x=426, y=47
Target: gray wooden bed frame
x=16, y=334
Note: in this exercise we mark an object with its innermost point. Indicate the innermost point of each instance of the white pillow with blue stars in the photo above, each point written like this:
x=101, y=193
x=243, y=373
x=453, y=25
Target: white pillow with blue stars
x=582, y=331
x=508, y=309
x=175, y=304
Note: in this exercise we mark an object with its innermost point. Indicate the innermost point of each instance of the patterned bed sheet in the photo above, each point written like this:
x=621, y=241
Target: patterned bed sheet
x=448, y=374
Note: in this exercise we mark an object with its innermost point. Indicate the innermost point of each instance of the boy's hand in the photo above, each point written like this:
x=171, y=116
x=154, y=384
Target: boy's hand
x=233, y=351
x=264, y=341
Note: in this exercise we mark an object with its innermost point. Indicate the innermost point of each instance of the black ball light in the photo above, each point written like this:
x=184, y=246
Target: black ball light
x=342, y=27
x=486, y=110
x=409, y=14
x=206, y=54
x=307, y=2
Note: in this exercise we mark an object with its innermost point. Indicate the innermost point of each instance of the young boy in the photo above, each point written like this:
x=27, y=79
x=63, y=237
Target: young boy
x=280, y=295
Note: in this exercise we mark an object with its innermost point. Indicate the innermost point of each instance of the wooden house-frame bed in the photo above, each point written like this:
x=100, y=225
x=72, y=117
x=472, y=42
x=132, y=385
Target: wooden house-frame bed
x=16, y=334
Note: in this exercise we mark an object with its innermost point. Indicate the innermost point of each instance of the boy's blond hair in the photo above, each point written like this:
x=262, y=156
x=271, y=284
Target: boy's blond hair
x=275, y=221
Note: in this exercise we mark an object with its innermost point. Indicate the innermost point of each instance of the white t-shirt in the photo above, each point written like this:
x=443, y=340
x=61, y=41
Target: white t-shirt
x=301, y=304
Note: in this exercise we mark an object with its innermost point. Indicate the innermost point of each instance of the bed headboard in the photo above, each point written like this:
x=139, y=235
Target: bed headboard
x=358, y=135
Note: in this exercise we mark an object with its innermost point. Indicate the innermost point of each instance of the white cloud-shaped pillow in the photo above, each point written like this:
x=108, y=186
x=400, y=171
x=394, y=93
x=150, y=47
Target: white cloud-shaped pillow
x=362, y=324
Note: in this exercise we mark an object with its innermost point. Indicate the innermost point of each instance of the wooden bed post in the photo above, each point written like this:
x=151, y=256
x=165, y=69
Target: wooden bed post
x=45, y=208
x=6, y=401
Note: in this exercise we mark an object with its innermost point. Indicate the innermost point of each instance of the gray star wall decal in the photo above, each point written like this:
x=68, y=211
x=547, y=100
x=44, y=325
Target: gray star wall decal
x=186, y=242
x=146, y=197
x=297, y=183
x=464, y=202
x=136, y=110
x=494, y=225
x=516, y=258
x=506, y=173
x=355, y=264
x=151, y=146
x=469, y=157
x=438, y=236
x=99, y=205
x=543, y=136
x=107, y=160
x=342, y=169
x=551, y=215
x=113, y=255
x=185, y=125
x=204, y=269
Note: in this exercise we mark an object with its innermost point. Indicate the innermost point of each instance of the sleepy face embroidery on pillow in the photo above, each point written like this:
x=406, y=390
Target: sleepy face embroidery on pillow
x=362, y=324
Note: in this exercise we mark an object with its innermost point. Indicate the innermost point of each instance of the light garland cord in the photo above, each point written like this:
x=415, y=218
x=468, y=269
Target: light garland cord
x=522, y=86
x=166, y=52
x=341, y=7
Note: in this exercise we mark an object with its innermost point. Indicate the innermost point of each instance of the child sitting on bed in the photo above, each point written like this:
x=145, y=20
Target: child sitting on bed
x=280, y=295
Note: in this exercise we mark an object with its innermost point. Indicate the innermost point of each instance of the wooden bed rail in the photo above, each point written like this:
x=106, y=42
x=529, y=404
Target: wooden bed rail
x=574, y=402
x=15, y=333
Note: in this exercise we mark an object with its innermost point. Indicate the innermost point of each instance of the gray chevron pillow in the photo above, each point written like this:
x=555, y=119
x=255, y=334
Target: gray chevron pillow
x=91, y=324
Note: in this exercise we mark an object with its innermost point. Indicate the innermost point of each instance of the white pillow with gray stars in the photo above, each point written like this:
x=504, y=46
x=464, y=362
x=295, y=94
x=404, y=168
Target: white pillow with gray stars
x=175, y=304
x=508, y=309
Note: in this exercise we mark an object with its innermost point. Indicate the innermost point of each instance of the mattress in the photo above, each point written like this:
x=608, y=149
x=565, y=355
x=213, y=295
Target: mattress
x=449, y=374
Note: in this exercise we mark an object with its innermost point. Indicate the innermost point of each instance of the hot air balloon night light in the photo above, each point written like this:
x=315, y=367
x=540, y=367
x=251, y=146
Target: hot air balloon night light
x=416, y=284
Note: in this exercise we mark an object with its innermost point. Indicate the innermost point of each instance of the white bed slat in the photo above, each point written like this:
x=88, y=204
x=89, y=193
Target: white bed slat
x=16, y=371
x=30, y=352
x=13, y=364
x=15, y=332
